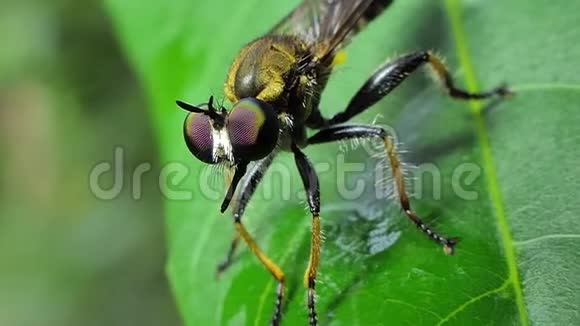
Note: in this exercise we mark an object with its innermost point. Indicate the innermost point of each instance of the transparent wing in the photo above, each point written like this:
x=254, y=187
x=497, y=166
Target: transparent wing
x=324, y=23
x=303, y=21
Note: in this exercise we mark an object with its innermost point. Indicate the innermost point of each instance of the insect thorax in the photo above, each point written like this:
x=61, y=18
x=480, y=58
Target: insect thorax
x=269, y=69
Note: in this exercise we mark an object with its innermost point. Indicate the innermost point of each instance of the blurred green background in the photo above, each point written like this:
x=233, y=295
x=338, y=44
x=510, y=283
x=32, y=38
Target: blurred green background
x=67, y=98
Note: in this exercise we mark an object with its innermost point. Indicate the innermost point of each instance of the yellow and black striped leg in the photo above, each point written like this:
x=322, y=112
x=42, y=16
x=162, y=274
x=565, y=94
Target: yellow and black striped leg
x=247, y=185
x=312, y=187
x=272, y=268
x=340, y=132
x=389, y=76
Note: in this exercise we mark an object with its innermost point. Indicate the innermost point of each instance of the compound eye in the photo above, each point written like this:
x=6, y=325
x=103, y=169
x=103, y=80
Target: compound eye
x=197, y=130
x=253, y=129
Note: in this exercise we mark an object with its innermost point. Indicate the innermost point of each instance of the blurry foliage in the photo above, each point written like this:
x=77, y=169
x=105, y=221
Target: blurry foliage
x=67, y=99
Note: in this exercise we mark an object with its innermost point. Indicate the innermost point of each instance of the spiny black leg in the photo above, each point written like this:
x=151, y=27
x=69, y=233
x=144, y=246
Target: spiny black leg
x=341, y=132
x=248, y=185
x=312, y=187
x=227, y=262
x=392, y=74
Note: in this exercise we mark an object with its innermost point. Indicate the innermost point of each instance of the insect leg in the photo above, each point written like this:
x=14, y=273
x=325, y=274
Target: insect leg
x=312, y=187
x=227, y=262
x=341, y=132
x=390, y=75
x=248, y=185
x=272, y=268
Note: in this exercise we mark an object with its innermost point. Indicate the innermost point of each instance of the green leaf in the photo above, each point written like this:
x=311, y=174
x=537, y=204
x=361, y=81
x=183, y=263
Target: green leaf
x=517, y=262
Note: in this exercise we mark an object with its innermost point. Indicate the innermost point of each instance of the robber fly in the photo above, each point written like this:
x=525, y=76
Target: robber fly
x=275, y=83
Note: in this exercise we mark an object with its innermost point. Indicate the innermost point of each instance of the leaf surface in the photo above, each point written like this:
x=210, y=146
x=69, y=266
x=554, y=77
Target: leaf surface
x=518, y=259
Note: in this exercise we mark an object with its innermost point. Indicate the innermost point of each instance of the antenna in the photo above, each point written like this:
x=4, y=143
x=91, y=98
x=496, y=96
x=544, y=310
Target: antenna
x=211, y=111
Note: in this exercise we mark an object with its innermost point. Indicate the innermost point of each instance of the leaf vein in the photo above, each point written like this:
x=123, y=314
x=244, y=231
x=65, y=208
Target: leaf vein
x=453, y=9
x=546, y=237
x=473, y=300
x=403, y=303
x=546, y=87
